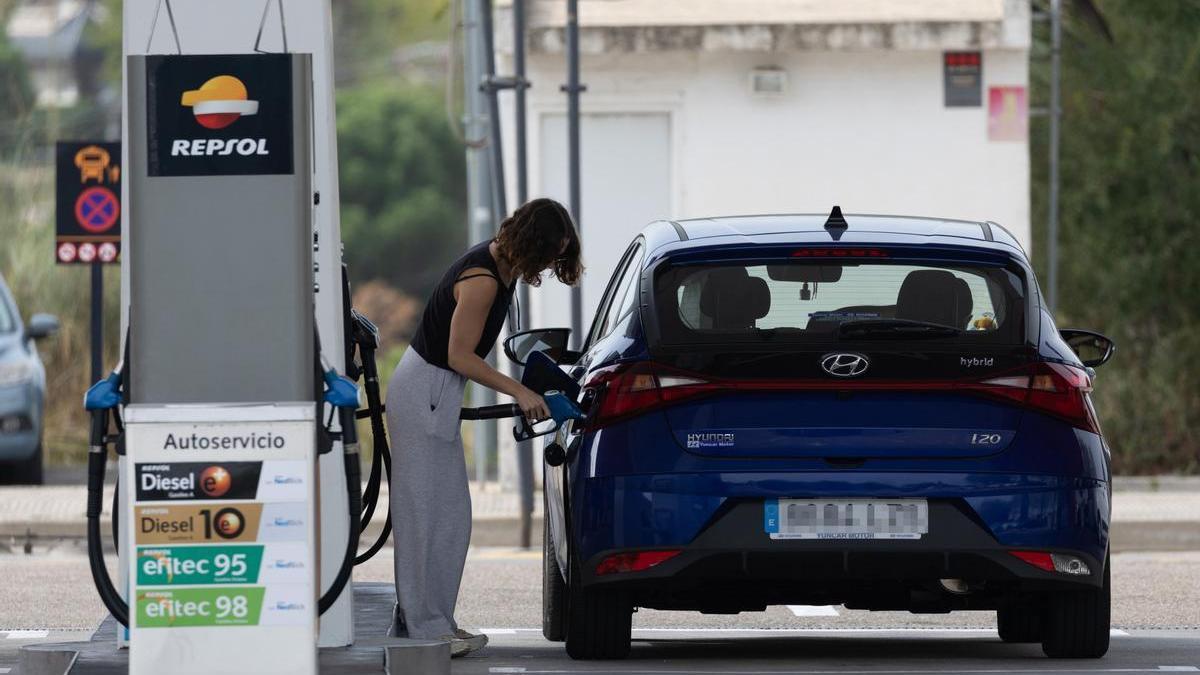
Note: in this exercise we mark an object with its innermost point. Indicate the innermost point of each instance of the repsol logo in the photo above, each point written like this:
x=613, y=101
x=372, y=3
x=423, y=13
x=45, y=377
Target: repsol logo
x=209, y=147
x=976, y=362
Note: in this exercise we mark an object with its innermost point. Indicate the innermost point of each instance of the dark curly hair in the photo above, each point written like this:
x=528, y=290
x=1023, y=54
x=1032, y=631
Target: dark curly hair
x=539, y=236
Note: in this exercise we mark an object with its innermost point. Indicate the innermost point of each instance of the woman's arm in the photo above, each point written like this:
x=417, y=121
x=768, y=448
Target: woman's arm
x=474, y=297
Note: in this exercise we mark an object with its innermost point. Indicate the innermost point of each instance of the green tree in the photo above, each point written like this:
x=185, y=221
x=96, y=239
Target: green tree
x=402, y=191
x=16, y=97
x=1129, y=237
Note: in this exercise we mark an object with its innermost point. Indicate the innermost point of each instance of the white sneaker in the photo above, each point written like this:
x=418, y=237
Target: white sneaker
x=458, y=647
x=475, y=642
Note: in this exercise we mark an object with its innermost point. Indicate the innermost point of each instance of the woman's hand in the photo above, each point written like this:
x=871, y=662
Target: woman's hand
x=532, y=405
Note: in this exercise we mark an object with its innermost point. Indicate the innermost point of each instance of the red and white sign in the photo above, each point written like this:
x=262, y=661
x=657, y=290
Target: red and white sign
x=1008, y=114
x=108, y=252
x=66, y=252
x=87, y=252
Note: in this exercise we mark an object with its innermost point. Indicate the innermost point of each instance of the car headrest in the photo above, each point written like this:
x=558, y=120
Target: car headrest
x=935, y=296
x=734, y=299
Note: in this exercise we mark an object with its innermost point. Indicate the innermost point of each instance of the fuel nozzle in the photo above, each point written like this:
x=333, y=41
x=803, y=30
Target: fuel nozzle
x=562, y=409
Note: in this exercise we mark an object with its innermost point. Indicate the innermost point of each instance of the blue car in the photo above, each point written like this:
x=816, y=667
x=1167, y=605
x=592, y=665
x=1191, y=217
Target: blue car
x=22, y=391
x=869, y=411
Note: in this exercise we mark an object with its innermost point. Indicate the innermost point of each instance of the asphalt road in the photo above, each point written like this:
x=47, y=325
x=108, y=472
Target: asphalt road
x=47, y=597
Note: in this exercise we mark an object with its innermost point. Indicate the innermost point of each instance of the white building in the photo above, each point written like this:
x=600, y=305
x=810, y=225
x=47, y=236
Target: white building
x=715, y=107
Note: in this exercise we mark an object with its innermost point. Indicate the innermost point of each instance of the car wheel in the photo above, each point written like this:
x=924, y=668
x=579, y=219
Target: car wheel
x=599, y=621
x=28, y=471
x=554, y=588
x=1019, y=623
x=1078, y=622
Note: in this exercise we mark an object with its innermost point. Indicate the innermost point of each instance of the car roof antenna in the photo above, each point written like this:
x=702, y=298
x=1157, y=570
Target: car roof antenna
x=836, y=224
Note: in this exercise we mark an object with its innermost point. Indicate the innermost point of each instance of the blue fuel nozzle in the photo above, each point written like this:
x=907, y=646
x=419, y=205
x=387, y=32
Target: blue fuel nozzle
x=341, y=391
x=105, y=394
x=562, y=409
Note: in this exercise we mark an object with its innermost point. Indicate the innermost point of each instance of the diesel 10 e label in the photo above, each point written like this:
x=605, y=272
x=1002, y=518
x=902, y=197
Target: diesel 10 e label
x=220, y=523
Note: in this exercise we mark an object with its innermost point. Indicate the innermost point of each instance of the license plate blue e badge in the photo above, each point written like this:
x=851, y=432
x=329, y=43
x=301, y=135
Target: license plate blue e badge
x=846, y=518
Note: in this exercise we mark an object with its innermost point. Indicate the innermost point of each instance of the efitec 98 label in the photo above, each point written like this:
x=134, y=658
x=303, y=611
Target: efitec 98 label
x=186, y=607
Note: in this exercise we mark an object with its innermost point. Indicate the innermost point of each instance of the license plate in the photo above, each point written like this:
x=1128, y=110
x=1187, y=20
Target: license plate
x=846, y=518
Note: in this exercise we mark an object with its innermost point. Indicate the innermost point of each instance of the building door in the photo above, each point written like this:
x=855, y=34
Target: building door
x=625, y=179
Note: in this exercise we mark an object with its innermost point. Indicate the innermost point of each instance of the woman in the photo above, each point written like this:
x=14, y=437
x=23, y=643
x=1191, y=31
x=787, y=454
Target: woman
x=431, y=506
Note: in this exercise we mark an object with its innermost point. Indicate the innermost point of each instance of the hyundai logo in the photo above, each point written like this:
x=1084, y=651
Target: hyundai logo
x=845, y=364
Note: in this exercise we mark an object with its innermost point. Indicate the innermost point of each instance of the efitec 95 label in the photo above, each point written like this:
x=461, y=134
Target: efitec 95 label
x=186, y=607
x=196, y=565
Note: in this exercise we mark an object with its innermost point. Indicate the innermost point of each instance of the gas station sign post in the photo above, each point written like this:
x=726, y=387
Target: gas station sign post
x=87, y=223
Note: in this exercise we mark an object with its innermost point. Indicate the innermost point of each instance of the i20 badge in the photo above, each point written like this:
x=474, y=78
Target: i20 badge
x=845, y=364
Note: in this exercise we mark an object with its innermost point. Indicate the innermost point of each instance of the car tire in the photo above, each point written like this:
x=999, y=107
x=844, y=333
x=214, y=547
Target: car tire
x=28, y=471
x=1019, y=623
x=554, y=588
x=599, y=621
x=1078, y=622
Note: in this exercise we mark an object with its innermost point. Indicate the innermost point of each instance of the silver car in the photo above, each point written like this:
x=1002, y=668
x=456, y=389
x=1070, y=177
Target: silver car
x=22, y=391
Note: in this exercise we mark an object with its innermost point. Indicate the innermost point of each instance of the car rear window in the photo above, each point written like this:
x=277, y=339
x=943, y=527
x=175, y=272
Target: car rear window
x=839, y=301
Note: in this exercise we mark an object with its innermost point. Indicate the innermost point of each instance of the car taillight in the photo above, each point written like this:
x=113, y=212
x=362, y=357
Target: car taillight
x=627, y=390
x=1053, y=388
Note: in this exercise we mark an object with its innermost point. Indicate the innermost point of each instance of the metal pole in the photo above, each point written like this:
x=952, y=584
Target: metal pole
x=495, y=144
x=480, y=213
x=1055, y=118
x=97, y=321
x=573, y=89
x=524, y=450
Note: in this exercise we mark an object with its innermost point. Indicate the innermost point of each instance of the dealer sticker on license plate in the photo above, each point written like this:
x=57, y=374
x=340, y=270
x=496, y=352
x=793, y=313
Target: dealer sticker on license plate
x=846, y=518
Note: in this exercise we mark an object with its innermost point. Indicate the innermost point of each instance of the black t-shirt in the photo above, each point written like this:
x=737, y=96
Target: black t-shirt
x=432, y=340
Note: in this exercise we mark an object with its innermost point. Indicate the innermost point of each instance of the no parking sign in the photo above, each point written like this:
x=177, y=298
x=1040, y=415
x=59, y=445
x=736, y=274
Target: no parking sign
x=88, y=203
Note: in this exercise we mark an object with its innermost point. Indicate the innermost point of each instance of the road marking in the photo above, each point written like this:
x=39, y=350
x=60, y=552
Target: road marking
x=27, y=634
x=932, y=630
x=923, y=671
x=813, y=610
x=5, y=670
x=1179, y=669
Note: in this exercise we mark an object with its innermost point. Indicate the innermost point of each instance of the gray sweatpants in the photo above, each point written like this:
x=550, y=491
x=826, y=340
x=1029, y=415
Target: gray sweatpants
x=431, y=505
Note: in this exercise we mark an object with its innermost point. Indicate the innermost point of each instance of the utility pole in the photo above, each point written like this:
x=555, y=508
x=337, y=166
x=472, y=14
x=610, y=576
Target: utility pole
x=1055, y=119
x=573, y=89
x=481, y=216
x=524, y=450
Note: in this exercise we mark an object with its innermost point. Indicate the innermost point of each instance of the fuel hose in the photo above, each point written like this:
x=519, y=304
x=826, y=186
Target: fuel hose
x=97, y=458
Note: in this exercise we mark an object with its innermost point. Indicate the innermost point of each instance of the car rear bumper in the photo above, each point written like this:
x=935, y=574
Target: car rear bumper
x=975, y=520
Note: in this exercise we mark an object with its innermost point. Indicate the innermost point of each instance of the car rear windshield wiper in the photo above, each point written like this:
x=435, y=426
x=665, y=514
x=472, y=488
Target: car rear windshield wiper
x=895, y=328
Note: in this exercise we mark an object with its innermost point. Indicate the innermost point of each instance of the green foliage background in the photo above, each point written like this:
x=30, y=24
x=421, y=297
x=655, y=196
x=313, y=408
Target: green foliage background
x=1129, y=236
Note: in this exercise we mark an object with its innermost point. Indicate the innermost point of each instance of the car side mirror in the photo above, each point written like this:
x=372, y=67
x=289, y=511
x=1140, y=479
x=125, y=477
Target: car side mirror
x=552, y=341
x=41, y=326
x=1092, y=348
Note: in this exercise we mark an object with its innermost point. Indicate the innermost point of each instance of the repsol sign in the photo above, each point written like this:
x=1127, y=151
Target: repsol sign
x=197, y=480
x=219, y=115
